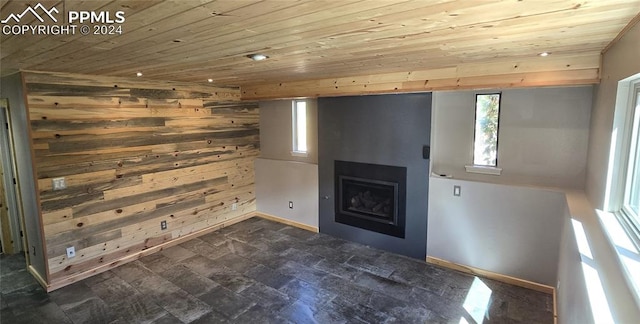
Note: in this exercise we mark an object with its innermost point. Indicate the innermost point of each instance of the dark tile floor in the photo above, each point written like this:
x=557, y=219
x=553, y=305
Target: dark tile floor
x=259, y=271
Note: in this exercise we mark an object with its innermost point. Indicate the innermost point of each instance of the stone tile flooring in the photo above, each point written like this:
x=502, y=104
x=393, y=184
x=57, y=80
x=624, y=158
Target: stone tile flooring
x=259, y=271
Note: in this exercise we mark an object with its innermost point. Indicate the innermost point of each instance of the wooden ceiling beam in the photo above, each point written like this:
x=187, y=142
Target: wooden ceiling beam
x=464, y=76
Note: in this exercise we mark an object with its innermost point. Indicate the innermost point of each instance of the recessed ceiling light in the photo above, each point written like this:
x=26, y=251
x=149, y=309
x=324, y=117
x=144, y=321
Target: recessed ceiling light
x=257, y=57
x=139, y=74
x=210, y=80
x=544, y=54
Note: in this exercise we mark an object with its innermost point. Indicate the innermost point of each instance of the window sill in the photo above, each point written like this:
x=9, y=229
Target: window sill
x=299, y=154
x=483, y=169
x=626, y=252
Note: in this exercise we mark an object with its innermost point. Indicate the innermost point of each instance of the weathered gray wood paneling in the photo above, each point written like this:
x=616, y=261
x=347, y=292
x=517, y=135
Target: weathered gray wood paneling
x=134, y=154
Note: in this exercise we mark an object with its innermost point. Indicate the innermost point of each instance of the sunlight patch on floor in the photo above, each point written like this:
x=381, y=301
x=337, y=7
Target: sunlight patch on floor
x=477, y=301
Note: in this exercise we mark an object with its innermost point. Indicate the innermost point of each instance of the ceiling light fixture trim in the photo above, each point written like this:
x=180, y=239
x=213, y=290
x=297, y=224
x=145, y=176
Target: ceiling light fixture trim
x=258, y=57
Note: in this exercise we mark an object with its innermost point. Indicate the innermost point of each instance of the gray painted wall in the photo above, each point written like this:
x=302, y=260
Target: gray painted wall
x=281, y=177
x=543, y=136
x=387, y=130
x=11, y=88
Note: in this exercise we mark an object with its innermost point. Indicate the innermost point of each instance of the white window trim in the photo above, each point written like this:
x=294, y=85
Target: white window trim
x=617, y=177
x=628, y=217
x=632, y=151
x=299, y=153
x=619, y=152
x=483, y=169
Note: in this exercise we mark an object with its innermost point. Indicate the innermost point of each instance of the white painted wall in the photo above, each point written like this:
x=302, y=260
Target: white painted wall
x=542, y=140
x=281, y=177
x=505, y=229
x=278, y=182
x=619, y=62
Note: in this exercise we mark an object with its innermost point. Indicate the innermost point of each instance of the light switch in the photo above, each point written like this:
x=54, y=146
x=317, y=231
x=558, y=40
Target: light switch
x=59, y=184
x=456, y=191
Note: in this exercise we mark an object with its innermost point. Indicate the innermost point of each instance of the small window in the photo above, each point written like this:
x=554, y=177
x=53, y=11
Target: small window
x=299, y=113
x=485, y=144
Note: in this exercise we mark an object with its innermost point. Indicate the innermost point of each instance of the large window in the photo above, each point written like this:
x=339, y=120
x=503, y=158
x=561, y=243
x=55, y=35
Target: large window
x=299, y=127
x=485, y=144
x=631, y=200
x=621, y=199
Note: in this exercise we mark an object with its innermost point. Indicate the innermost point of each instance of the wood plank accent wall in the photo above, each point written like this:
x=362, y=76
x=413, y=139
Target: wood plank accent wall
x=135, y=153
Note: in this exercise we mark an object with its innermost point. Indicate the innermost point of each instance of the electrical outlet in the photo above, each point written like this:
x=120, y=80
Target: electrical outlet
x=163, y=225
x=456, y=191
x=291, y=205
x=234, y=206
x=58, y=183
x=71, y=252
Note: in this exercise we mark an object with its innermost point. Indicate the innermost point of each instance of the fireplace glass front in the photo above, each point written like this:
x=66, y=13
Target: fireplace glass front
x=371, y=196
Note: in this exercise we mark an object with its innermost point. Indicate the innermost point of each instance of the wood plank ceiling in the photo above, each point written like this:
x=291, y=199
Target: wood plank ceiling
x=196, y=40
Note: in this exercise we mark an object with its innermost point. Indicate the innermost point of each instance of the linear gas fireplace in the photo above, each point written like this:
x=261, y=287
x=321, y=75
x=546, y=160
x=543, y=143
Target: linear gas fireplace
x=371, y=197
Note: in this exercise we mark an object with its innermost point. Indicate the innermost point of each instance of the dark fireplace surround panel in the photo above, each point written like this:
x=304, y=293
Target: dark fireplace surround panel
x=371, y=196
x=369, y=147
